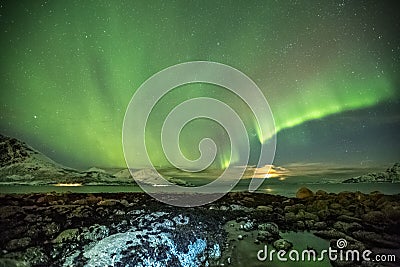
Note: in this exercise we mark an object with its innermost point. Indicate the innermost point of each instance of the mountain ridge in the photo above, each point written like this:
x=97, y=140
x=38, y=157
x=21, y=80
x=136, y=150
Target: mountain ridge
x=24, y=165
x=21, y=164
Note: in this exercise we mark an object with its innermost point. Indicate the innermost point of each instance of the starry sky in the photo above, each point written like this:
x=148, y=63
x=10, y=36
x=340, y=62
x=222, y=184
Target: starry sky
x=329, y=70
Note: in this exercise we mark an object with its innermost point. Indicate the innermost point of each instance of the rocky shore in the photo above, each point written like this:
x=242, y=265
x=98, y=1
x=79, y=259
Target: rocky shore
x=132, y=229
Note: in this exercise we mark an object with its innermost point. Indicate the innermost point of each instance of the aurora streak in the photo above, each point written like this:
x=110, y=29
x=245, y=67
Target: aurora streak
x=69, y=68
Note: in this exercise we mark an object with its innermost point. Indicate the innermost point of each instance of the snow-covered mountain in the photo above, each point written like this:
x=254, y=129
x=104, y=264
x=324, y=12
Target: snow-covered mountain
x=150, y=177
x=22, y=164
x=391, y=175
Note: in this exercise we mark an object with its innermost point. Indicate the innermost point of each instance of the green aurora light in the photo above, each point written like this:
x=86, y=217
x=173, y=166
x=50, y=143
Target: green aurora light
x=69, y=68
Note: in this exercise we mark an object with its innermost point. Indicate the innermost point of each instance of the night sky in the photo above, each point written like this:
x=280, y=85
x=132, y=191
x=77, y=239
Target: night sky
x=329, y=70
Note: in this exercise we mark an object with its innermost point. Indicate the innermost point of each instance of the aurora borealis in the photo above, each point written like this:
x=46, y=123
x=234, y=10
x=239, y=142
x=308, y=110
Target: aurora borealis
x=329, y=70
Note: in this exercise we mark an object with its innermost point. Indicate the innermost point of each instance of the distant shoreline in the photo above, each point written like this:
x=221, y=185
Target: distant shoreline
x=286, y=190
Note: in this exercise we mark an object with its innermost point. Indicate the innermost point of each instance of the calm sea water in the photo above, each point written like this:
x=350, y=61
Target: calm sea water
x=282, y=188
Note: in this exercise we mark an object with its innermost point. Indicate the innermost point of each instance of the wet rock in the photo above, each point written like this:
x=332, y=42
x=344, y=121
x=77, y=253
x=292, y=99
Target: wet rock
x=321, y=193
x=304, y=192
x=346, y=218
x=374, y=217
x=9, y=211
x=345, y=198
x=94, y=233
x=290, y=217
x=69, y=235
x=214, y=252
x=391, y=210
x=323, y=214
x=80, y=212
x=32, y=256
x=223, y=208
x=278, y=210
x=318, y=205
x=294, y=208
x=181, y=220
x=320, y=226
x=267, y=209
x=32, y=218
x=333, y=234
x=335, y=206
x=288, y=202
x=303, y=215
x=235, y=207
x=15, y=244
x=380, y=240
x=47, y=198
x=36, y=256
x=300, y=225
x=248, y=226
x=309, y=224
x=264, y=236
x=119, y=212
x=91, y=199
x=269, y=227
x=268, y=232
x=51, y=229
x=248, y=200
x=4, y=262
x=108, y=202
x=360, y=196
x=82, y=201
x=282, y=244
x=102, y=212
x=148, y=239
x=34, y=231
x=124, y=202
x=347, y=227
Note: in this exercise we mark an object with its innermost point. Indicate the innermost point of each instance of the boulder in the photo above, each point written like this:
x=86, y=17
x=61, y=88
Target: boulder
x=94, y=233
x=269, y=227
x=321, y=193
x=335, y=206
x=267, y=209
x=318, y=205
x=282, y=244
x=374, y=217
x=51, y=229
x=9, y=211
x=333, y=234
x=264, y=236
x=19, y=243
x=304, y=192
x=304, y=215
x=323, y=214
x=347, y=227
x=4, y=262
x=248, y=226
x=350, y=219
x=294, y=208
x=68, y=235
x=379, y=240
x=35, y=256
x=290, y=217
x=320, y=225
x=108, y=202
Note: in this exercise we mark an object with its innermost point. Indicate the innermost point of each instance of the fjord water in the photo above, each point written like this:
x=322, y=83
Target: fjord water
x=276, y=187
